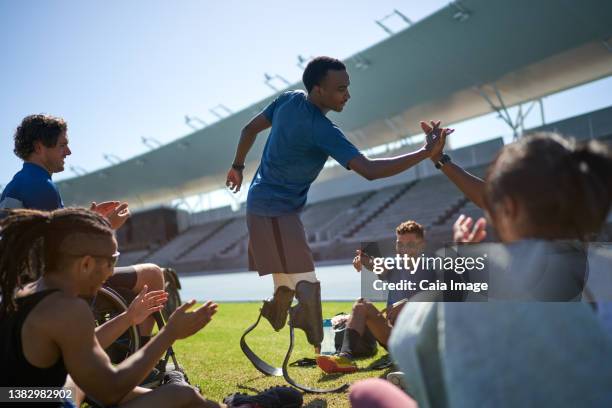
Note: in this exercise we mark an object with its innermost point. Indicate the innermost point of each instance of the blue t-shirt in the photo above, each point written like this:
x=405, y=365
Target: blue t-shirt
x=396, y=276
x=32, y=188
x=299, y=144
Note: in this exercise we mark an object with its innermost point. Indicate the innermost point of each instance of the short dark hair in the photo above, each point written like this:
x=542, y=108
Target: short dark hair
x=410, y=227
x=43, y=128
x=317, y=69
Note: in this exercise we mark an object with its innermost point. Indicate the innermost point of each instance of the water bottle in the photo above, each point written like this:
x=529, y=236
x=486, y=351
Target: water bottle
x=328, y=346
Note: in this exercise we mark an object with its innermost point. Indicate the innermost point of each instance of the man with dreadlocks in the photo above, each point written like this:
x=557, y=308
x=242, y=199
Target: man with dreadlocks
x=47, y=331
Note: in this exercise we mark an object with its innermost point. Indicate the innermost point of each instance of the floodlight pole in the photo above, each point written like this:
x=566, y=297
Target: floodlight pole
x=503, y=113
x=190, y=119
x=112, y=158
x=150, y=142
x=268, y=81
x=215, y=111
x=396, y=12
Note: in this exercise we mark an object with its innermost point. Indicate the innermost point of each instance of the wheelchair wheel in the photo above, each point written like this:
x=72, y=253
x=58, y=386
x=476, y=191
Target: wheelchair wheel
x=106, y=305
x=172, y=287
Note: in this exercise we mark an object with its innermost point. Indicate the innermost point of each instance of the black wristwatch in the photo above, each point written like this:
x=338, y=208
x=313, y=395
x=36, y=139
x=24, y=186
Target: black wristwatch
x=238, y=167
x=443, y=160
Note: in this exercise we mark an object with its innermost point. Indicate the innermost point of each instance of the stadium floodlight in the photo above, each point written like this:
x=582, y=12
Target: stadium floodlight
x=225, y=111
x=462, y=14
x=150, y=142
x=78, y=171
x=112, y=158
x=189, y=121
x=302, y=61
x=269, y=78
x=183, y=145
x=381, y=22
x=360, y=62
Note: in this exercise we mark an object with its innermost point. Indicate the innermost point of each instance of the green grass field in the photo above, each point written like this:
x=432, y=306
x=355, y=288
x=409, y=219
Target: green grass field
x=213, y=359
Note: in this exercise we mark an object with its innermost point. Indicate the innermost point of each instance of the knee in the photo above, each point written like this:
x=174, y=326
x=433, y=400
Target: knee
x=151, y=275
x=185, y=394
x=359, y=309
x=375, y=392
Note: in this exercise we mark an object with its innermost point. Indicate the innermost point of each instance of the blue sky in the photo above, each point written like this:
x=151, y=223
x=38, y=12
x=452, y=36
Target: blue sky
x=119, y=70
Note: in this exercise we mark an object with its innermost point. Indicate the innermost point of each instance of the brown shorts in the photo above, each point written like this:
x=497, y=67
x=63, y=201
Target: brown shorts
x=123, y=277
x=278, y=245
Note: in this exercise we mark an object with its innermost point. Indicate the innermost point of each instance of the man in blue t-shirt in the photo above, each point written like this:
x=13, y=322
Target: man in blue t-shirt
x=301, y=140
x=41, y=141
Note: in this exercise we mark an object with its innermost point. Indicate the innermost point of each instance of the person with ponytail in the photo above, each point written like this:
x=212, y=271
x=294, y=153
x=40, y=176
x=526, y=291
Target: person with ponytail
x=537, y=339
x=47, y=331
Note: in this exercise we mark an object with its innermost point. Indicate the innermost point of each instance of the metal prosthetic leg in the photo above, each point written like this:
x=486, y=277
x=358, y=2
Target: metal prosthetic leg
x=306, y=315
x=276, y=308
x=275, y=311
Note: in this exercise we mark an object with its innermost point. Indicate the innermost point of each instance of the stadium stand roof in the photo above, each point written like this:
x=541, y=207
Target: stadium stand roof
x=437, y=68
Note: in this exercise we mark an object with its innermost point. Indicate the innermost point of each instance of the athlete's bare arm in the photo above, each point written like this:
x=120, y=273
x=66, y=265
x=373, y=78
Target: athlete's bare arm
x=247, y=138
x=373, y=169
x=90, y=367
x=473, y=187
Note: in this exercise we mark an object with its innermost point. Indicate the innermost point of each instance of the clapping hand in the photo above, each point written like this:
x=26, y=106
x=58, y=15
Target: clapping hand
x=116, y=212
x=466, y=231
x=145, y=304
x=183, y=323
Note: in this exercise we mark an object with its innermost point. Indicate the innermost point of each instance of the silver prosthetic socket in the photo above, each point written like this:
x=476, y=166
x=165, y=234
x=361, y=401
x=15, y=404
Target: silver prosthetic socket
x=307, y=314
x=276, y=308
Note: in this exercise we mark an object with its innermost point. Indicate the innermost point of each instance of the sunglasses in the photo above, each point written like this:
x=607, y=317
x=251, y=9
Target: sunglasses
x=112, y=259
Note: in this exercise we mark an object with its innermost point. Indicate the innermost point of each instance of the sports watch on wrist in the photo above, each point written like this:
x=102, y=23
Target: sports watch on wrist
x=443, y=160
x=238, y=167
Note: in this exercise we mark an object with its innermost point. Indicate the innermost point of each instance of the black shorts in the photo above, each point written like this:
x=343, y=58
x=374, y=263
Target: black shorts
x=123, y=277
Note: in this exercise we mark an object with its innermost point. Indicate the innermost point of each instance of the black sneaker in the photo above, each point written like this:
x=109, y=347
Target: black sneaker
x=275, y=397
x=174, y=377
x=153, y=379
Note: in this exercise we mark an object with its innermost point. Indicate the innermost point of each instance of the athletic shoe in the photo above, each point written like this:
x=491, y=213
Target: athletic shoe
x=336, y=364
x=397, y=378
x=153, y=379
x=275, y=397
x=174, y=377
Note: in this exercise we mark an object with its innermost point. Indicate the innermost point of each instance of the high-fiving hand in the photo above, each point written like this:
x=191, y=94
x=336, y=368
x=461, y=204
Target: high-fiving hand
x=435, y=138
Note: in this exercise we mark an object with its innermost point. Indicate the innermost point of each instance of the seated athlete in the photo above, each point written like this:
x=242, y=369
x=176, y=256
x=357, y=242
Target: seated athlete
x=47, y=331
x=367, y=325
x=41, y=141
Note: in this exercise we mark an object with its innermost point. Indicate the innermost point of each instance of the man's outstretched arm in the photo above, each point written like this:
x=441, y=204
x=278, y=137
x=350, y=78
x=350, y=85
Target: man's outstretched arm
x=373, y=169
x=247, y=138
x=473, y=187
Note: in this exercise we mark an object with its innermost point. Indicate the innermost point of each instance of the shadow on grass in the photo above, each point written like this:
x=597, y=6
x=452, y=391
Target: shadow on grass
x=330, y=377
x=316, y=403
